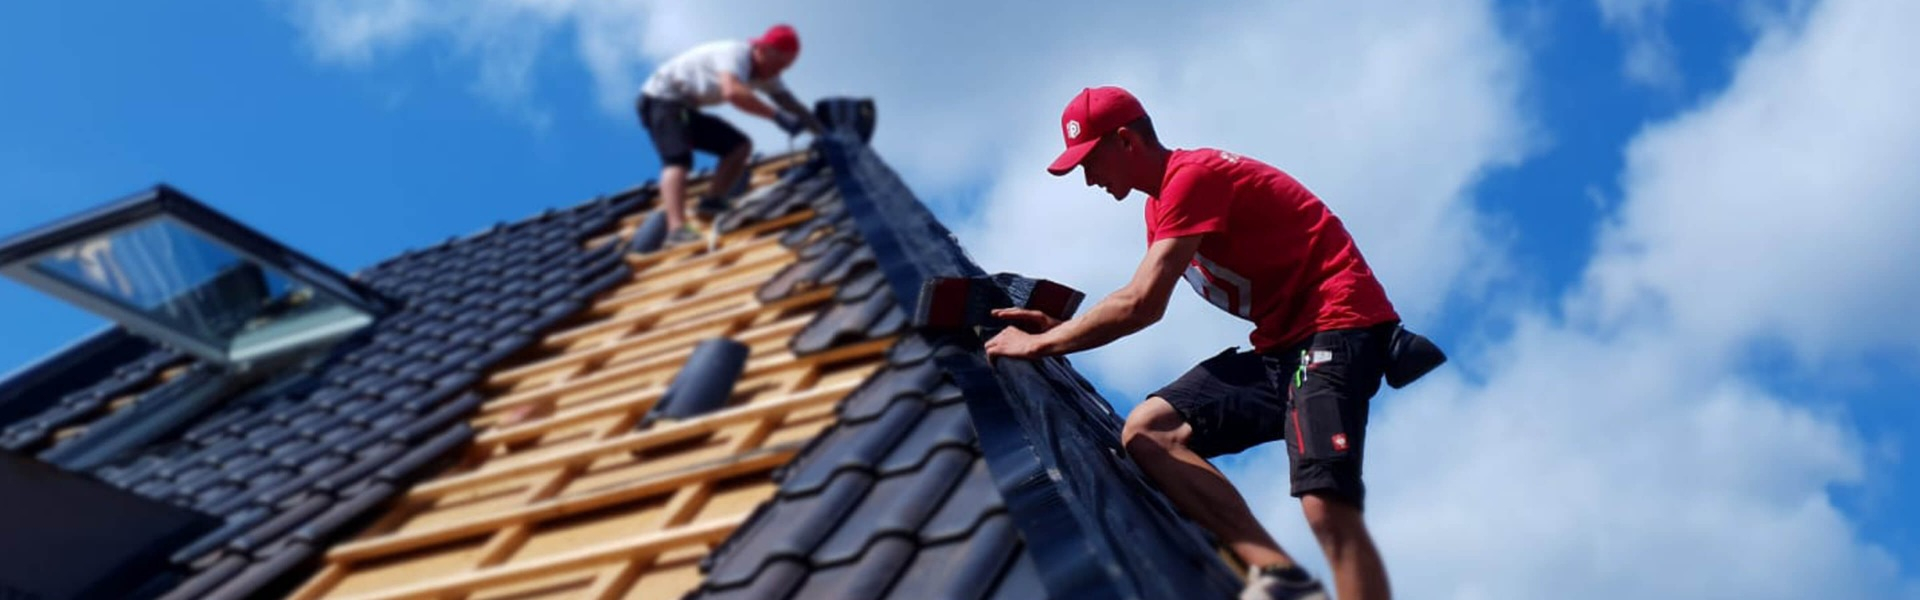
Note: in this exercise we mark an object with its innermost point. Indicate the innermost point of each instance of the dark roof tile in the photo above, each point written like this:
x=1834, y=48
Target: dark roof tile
x=284, y=521
x=867, y=578
x=966, y=508
x=792, y=528
x=944, y=426
x=884, y=386
x=897, y=506
x=853, y=446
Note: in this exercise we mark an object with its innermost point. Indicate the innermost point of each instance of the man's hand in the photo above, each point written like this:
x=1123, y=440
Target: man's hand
x=1027, y=319
x=1014, y=343
x=790, y=122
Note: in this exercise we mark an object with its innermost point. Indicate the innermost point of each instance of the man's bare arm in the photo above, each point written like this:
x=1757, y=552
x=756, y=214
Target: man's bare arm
x=787, y=102
x=1132, y=308
x=742, y=96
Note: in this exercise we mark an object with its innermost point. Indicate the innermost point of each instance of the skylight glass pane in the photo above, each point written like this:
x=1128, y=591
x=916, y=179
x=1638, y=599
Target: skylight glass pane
x=179, y=277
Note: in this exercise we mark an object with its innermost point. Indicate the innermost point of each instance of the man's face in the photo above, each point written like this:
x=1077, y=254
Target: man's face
x=770, y=62
x=1105, y=166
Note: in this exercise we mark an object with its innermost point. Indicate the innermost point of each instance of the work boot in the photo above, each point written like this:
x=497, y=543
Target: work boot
x=1282, y=583
x=685, y=234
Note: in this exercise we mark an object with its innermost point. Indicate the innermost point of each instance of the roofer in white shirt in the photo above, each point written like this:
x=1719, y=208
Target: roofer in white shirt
x=727, y=71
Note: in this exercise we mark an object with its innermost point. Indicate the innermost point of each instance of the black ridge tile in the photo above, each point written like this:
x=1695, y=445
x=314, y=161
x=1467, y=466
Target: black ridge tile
x=856, y=446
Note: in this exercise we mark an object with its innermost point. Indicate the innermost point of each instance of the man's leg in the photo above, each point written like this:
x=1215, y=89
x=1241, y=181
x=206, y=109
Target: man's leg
x=1330, y=382
x=732, y=167
x=711, y=134
x=673, y=195
x=1156, y=437
x=1358, y=573
x=669, y=125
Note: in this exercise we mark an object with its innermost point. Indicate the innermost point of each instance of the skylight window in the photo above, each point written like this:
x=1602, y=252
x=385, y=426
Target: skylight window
x=167, y=267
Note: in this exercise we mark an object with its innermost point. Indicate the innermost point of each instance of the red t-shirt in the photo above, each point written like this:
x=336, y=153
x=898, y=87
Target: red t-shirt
x=1274, y=254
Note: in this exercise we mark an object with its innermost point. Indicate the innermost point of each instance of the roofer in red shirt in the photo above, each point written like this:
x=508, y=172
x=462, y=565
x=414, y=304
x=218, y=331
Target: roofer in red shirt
x=726, y=71
x=1257, y=244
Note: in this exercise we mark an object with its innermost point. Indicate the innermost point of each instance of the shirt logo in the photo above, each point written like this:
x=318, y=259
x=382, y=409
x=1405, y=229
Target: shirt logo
x=1339, y=442
x=1073, y=130
x=1222, y=287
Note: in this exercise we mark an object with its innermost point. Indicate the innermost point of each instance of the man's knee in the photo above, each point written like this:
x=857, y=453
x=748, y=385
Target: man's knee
x=677, y=160
x=741, y=151
x=1331, y=517
x=1154, y=425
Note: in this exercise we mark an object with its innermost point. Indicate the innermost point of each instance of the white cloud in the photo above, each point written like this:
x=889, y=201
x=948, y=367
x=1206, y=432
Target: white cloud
x=1614, y=453
x=1650, y=56
x=1620, y=452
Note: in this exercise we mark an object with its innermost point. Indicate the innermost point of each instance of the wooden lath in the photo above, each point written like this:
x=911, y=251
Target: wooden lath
x=557, y=449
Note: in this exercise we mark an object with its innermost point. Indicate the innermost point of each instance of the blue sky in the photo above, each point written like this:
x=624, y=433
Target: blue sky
x=1537, y=205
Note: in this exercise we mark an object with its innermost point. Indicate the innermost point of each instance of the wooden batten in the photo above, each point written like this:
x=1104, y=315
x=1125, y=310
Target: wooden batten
x=563, y=492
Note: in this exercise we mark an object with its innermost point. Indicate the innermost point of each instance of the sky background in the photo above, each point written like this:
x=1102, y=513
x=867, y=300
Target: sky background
x=1665, y=241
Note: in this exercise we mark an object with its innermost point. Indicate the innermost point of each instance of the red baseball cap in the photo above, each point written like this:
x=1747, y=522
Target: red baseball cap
x=780, y=38
x=1094, y=113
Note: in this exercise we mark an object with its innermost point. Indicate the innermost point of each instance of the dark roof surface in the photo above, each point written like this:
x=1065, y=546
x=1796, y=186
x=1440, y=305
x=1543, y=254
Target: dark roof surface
x=907, y=496
x=288, y=470
x=942, y=477
x=894, y=499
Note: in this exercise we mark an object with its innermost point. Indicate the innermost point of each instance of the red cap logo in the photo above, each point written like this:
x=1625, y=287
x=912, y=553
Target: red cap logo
x=780, y=38
x=1094, y=113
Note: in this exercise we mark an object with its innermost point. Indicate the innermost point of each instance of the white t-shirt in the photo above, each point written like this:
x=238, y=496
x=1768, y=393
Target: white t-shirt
x=694, y=76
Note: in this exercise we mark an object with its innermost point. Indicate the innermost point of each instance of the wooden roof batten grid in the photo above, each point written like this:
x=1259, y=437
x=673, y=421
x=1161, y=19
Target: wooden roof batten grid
x=560, y=496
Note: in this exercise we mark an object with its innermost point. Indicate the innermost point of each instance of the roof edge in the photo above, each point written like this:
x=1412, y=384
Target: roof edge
x=1051, y=442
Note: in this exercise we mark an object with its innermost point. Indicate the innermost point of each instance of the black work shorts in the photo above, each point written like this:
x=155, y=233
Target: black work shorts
x=1315, y=395
x=677, y=129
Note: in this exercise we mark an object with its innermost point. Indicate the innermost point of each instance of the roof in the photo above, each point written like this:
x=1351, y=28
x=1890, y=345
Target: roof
x=493, y=438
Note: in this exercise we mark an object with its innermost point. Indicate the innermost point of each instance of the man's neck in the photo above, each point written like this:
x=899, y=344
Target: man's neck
x=1154, y=165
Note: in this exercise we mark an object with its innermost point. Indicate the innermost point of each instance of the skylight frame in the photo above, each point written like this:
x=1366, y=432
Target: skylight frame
x=164, y=204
